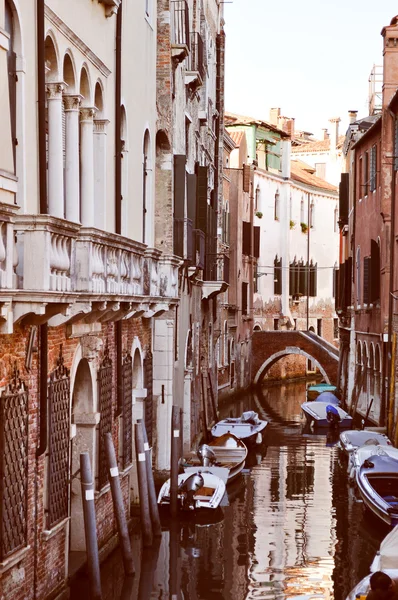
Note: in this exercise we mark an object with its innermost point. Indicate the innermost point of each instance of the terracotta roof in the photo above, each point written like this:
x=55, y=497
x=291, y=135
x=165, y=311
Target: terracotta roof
x=317, y=145
x=304, y=166
x=234, y=119
x=301, y=175
x=237, y=136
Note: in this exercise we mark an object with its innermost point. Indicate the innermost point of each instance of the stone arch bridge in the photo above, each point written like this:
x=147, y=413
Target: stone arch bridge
x=270, y=346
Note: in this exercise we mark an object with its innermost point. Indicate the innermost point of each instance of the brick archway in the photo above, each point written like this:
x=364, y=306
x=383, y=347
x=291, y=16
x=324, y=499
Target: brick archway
x=270, y=346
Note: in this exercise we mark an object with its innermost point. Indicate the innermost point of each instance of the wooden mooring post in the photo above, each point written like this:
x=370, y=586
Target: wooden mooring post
x=174, y=460
x=152, y=498
x=147, y=535
x=90, y=528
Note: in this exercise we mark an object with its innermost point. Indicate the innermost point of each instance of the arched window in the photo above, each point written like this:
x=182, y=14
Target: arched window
x=336, y=220
x=257, y=198
x=12, y=77
x=225, y=344
x=312, y=214
x=276, y=207
x=358, y=275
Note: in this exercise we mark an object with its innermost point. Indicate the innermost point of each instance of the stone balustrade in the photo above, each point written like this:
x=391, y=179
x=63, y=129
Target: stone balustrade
x=8, y=250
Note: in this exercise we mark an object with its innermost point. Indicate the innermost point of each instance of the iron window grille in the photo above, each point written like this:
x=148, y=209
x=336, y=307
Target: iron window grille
x=105, y=388
x=14, y=419
x=59, y=443
x=127, y=382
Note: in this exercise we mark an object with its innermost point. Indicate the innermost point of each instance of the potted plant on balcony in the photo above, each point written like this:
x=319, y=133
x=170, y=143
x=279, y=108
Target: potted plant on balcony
x=259, y=214
x=304, y=227
x=292, y=224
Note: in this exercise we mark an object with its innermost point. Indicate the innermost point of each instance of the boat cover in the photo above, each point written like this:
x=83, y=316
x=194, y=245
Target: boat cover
x=359, y=438
x=328, y=397
x=381, y=464
x=387, y=556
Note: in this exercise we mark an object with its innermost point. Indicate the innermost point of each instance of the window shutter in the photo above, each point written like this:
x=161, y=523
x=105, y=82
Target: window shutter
x=191, y=198
x=374, y=271
x=366, y=279
x=343, y=198
x=256, y=240
x=373, y=168
x=365, y=173
x=246, y=241
x=335, y=282
x=179, y=186
x=348, y=281
x=12, y=88
x=278, y=276
x=201, y=199
x=246, y=178
x=313, y=274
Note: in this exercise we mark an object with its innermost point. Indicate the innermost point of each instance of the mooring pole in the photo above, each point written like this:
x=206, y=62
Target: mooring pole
x=174, y=555
x=181, y=433
x=146, y=524
x=118, y=506
x=174, y=459
x=149, y=561
x=153, y=501
x=90, y=529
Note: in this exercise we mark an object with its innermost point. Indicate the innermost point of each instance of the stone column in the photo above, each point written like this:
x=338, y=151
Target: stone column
x=72, y=180
x=87, y=165
x=100, y=167
x=55, y=150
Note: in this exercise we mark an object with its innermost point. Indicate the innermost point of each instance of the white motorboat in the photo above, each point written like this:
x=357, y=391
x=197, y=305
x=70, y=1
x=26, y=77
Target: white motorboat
x=248, y=427
x=385, y=560
x=355, y=438
x=377, y=481
x=227, y=452
x=323, y=414
x=359, y=455
x=196, y=489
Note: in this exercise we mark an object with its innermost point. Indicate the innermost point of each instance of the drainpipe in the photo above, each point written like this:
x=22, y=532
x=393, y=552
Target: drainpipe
x=308, y=260
x=391, y=289
x=118, y=190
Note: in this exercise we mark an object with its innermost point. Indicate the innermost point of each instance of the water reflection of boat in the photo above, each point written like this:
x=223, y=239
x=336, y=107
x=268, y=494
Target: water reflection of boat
x=227, y=452
x=377, y=481
x=322, y=414
x=248, y=427
x=196, y=490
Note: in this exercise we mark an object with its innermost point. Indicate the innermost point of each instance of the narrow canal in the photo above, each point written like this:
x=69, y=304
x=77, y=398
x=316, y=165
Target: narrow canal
x=290, y=528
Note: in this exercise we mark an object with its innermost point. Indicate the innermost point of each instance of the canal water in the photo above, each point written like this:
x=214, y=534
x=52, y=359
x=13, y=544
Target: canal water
x=291, y=527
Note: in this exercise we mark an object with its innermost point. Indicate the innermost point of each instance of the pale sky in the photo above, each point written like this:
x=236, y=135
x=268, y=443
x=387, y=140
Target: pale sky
x=311, y=58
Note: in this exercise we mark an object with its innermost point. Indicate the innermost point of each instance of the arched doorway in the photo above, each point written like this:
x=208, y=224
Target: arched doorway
x=83, y=440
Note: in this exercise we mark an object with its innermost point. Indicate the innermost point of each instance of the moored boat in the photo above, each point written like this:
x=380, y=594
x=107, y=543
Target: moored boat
x=313, y=391
x=358, y=457
x=328, y=397
x=355, y=438
x=377, y=481
x=227, y=451
x=323, y=414
x=196, y=489
x=248, y=427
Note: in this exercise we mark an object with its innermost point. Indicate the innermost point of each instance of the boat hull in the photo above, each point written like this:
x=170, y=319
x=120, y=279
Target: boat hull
x=377, y=481
x=249, y=433
x=203, y=498
x=230, y=453
x=315, y=413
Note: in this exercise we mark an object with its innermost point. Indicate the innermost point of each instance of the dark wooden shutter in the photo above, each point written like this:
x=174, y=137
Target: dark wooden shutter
x=245, y=287
x=179, y=185
x=191, y=198
x=246, y=238
x=366, y=279
x=278, y=276
x=256, y=240
x=201, y=199
x=335, y=282
x=348, y=281
x=246, y=178
x=313, y=274
x=375, y=271
x=343, y=198
x=12, y=88
x=149, y=407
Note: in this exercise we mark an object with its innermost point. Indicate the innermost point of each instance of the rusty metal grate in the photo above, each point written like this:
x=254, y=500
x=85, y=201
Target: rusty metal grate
x=58, y=478
x=13, y=465
x=105, y=385
x=148, y=378
x=127, y=379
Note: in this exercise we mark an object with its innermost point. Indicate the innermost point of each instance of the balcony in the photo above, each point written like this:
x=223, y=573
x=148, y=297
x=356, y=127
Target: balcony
x=179, y=29
x=55, y=271
x=196, y=69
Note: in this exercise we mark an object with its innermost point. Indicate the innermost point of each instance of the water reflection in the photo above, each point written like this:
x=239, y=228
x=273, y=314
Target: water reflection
x=292, y=527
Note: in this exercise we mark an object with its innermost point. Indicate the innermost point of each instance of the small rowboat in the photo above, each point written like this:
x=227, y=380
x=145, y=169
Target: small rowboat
x=377, y=481
x=355, y=438
x=313, y=391
x=198, y=489
x=323, y=414
x=227, y=451
x=358, y=457
x=248, y=427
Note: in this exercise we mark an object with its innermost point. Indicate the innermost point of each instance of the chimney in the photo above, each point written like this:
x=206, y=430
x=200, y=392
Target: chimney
x=287, y=125
x=352, y=116
x=334, y=134
x=390, y=60
x=274, y=116
x=325, y=134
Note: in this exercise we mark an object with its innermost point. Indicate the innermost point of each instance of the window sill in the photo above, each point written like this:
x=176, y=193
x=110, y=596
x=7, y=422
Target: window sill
x=14, y=559
x=149, y=21
x=47, y=534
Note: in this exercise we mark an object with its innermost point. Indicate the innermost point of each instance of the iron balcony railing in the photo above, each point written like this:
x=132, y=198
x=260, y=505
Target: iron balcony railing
x=197, y=62
x=180, y=23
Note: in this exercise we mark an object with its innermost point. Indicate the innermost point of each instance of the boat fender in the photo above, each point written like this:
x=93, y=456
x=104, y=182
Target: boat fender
x=368, y=464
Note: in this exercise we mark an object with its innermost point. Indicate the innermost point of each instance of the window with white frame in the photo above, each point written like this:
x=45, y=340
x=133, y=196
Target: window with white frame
x=277, y=207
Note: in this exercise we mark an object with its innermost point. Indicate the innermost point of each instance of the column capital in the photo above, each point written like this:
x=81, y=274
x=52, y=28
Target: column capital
x=54, y=90
x=72, y=102
x=87, y=113
x=100, y=125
